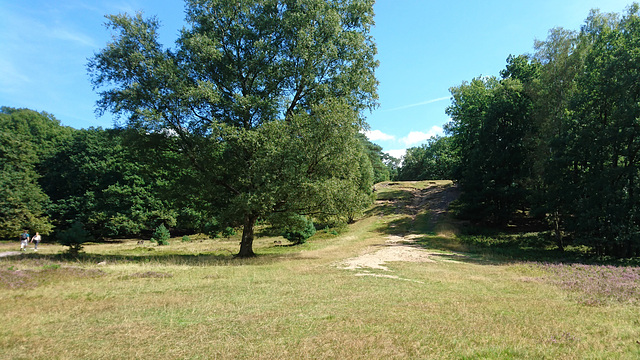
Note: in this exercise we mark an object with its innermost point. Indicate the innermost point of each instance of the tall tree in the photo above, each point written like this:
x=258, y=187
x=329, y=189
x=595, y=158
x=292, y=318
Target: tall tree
x=247, y=75
x=26, y=139
x=604, y=137
x=374, y=152
x=433, y=160
x=561, y=58
x=490, y=126
x=97, y=180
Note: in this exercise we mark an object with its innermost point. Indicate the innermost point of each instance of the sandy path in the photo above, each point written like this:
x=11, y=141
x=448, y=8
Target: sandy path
x=9, y=253
x=396, y=248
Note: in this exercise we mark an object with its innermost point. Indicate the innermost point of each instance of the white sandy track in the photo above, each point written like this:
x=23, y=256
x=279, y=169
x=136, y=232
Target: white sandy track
x=9, y=253
x=395, y=249
x=434, y=199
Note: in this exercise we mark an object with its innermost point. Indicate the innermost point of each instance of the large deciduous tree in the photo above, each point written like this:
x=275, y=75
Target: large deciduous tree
x=27, y=139
x=265, y=96
x=490, y=125
x=604, y=137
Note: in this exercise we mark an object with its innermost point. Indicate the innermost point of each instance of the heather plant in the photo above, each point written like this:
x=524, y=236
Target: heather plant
x=597, y=284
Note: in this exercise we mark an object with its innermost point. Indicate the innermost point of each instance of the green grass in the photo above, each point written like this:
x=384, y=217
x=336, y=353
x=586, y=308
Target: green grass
x=193, y=300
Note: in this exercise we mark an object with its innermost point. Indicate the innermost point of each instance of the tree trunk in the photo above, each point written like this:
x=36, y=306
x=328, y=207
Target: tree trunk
x=246, y=245
x=556, y=230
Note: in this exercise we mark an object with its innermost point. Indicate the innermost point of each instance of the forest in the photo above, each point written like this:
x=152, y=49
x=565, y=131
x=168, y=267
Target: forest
x=555, y=139
x=271, y=133
x=116, y=183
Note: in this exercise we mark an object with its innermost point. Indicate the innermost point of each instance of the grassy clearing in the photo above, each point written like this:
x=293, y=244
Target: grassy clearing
x=194, y=300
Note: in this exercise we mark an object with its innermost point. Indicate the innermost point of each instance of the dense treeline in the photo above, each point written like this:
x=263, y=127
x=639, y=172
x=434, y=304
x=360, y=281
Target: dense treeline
x=116, y=183
x=557, y=136
x=433, y=160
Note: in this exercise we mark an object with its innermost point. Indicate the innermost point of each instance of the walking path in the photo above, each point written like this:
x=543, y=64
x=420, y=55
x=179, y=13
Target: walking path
x=9, y=253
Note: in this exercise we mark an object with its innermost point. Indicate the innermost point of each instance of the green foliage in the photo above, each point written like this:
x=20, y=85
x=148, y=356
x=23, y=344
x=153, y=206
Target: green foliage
x=27, y=138
x=299, y=229
x=161, y=235
x=557, y=137
x=264, y=97
x=101, y=179
x=186, y=238
x=434, y=160
x=490, y=127
x=228, y=232
x=381, y=171
x=603, y=139
x=74, y=237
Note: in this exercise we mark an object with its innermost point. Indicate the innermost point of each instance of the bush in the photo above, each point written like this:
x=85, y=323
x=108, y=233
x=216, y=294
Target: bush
x=228, y=232
x=300, y=230
x=74, y=237
x=161, y=235
x=186, y=238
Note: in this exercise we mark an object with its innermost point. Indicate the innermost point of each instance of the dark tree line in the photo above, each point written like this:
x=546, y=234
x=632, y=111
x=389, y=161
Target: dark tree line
x=115, y=183
x=557, y=136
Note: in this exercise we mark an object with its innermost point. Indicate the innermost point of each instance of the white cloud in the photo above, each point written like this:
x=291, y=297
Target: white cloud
x=10, y=77
x=378, y=135
x=420, y=103
x=77, y=37
x=416, y=137
x=398, y=154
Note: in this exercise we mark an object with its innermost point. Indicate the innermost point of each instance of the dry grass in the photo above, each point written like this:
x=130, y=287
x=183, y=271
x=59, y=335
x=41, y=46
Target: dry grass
x=194, y=301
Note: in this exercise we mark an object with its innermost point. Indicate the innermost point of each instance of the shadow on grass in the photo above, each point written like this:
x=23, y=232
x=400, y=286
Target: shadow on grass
x=490, y=245
x=227, y=259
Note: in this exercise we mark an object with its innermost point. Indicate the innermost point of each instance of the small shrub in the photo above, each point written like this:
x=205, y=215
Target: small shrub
x=186, y=238
x=300, y=230
x=161, y=235
x=228, y=232
x=74, y=237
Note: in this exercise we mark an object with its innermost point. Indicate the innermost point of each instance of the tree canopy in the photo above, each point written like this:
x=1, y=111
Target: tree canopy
x=557, y=138
x=265, y=98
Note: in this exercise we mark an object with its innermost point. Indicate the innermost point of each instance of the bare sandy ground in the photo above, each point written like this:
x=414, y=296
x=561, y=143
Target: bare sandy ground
x=9, y=253
x=398, y=248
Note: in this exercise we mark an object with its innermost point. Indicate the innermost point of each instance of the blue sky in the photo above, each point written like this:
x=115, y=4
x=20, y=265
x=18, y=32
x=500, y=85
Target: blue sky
x=424, y=48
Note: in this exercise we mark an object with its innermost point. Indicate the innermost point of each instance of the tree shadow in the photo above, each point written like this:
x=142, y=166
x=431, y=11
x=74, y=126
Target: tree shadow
x=199, y=259
x=479, y=245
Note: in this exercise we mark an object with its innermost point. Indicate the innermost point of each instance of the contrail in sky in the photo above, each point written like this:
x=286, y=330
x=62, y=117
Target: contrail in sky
x=420, y=103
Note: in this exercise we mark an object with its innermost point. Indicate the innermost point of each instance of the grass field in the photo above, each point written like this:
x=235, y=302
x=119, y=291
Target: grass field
x=193, y=300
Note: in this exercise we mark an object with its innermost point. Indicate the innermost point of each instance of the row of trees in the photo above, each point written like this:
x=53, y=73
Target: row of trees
x=124, y=183
x=557, y=137
x=253, y=116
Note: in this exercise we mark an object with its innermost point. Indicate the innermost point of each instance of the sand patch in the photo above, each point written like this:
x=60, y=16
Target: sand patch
x=395, y=249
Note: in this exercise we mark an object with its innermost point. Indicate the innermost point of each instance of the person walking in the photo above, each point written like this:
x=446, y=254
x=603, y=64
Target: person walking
x=24, y=240
x=36, y=240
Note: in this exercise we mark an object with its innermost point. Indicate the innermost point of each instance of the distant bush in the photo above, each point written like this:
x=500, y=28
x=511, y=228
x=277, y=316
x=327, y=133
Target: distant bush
x=228, y=231
x=299, y=231
x=186, y=238
x=161, y=235
x=74, y=237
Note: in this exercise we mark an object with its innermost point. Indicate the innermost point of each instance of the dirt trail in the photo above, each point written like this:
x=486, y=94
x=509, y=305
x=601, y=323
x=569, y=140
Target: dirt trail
x=402, y=247
x=9, y=253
